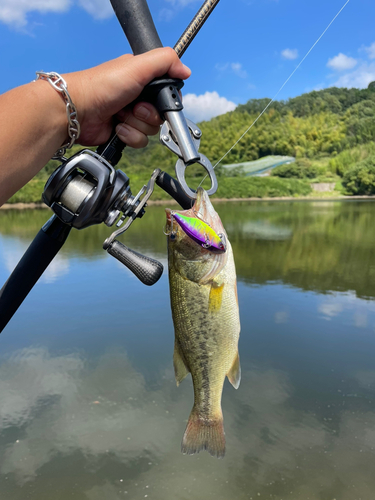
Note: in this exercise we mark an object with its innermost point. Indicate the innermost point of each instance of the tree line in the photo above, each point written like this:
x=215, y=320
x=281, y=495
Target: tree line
x=334, y=126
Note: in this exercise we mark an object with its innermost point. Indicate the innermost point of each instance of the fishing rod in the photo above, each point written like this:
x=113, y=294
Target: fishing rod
x=86, y=189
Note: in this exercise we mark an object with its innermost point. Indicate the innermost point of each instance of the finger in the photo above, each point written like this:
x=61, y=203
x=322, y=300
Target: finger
x=158, y=62
x=143, y=111
x=130, y=74
x=129, y=119
x=131, y=136
x=148, y=113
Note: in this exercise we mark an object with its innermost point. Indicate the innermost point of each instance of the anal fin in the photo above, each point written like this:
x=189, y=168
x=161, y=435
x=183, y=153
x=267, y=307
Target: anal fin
x=234, y=374
x=180, y=368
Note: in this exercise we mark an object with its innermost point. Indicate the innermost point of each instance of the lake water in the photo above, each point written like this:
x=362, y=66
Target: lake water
x=89, y=409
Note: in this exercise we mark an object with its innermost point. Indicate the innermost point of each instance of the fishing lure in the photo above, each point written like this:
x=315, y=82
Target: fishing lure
x=201, y=232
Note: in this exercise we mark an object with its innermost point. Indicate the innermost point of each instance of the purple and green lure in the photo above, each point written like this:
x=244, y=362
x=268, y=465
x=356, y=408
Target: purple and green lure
x=201, y=233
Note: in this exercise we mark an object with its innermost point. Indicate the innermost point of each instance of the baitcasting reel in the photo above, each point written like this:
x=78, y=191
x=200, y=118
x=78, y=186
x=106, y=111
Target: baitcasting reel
x=87, y=190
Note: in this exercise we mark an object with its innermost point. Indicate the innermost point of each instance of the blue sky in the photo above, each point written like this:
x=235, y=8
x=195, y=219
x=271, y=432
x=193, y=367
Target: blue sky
x=246, y=50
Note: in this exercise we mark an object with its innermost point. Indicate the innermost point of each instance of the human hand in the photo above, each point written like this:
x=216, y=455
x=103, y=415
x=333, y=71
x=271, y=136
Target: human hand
x=106, y=91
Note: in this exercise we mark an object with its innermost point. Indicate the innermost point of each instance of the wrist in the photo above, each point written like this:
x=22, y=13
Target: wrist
x=52, y=111
x=58, y=84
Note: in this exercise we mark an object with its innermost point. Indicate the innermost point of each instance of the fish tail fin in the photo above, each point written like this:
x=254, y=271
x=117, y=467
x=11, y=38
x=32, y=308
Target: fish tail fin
x=204, y=434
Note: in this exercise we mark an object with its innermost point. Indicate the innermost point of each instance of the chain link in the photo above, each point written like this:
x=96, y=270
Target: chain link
x=74, y=128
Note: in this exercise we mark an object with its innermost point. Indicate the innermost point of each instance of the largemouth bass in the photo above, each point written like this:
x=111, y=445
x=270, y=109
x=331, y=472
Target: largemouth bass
x=205, y=313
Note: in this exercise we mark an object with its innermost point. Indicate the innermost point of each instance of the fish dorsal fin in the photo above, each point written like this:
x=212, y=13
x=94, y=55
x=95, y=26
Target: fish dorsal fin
x=180, y=368
x=234, y=374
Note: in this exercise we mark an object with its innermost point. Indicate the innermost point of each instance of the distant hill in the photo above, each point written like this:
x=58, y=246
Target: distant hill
x=319, y=123
x=328, y=132
x=334, y=127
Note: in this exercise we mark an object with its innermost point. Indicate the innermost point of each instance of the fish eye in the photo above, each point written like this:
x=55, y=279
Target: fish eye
x=173, y=236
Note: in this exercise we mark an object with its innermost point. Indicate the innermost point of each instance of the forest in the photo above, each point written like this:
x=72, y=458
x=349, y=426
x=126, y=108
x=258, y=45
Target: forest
x=330, y=132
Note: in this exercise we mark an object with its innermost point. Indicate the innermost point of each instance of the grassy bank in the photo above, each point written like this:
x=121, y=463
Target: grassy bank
x=229, y=187
x=291, y=180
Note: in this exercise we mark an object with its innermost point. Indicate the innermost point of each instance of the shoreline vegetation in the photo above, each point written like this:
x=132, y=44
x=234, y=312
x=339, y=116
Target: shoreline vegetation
x=314, y=197
x=324, y=137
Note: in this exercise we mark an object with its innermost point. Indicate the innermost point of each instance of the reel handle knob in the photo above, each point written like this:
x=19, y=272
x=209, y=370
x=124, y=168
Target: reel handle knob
x=146, y=269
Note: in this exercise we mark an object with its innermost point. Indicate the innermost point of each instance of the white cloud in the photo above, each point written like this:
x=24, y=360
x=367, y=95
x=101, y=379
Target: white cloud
x=99, y=9
x=330, y=309
x=13, y=251
x=341, y=62
x=289, y=54
x=166, y=15
x=55, y=408
x=360, y=78
x=360, y=319
x=14, y=12
x=281, y=317
x=234, y=67
x=371, y=51
x=182, y=3
x=206, y=106
x=238, y=70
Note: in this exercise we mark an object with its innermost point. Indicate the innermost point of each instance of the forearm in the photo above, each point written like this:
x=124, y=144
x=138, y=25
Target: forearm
x=34, y=126
x=34, y=123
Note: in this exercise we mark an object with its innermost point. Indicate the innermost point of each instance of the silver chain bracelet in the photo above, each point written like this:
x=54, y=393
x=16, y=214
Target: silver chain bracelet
x=74, y=128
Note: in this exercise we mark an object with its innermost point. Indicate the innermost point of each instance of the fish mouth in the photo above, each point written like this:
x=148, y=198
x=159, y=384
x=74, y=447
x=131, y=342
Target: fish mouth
x=200, y=198
x=203, y=210
x=194, y=209
x=168, y=213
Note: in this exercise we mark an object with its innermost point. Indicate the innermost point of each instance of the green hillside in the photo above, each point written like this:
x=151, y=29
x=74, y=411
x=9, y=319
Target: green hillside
x=329, y=132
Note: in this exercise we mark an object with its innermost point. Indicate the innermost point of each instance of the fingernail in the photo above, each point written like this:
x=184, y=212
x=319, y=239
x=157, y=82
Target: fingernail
x=122, y=130
x=142, y=112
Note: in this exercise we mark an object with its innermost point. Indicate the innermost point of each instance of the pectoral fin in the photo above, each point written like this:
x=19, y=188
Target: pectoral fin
x=180, y=368
x=215, y=298
x=234, y=374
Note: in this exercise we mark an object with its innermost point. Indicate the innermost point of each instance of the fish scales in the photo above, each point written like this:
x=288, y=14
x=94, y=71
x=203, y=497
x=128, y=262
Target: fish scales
x=206, y=319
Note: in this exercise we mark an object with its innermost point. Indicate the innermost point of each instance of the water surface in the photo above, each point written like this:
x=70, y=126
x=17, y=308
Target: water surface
x=88, y=404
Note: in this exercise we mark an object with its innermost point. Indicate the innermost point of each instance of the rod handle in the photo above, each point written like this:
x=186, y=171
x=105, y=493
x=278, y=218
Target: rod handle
x=174, y=189
x=136, y=21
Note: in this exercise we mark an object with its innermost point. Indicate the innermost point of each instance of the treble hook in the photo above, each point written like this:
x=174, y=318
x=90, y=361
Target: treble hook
x=171, y=233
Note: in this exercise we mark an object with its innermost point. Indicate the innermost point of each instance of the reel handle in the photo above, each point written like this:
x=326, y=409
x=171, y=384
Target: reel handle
x=146, y=269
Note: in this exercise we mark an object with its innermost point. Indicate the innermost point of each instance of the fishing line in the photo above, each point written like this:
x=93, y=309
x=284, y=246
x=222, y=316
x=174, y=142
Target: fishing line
x=280, y=89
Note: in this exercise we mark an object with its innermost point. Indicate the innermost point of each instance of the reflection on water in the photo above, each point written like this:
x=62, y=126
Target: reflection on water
x=88, y=404
x=13, y=250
